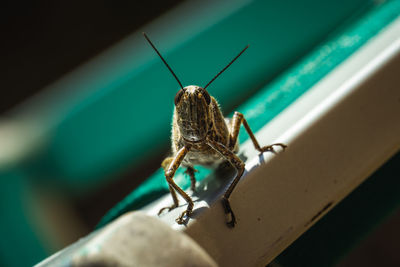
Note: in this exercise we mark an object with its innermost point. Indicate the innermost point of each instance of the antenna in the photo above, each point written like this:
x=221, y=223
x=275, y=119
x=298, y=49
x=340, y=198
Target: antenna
x=165, y=62
x=230, y=63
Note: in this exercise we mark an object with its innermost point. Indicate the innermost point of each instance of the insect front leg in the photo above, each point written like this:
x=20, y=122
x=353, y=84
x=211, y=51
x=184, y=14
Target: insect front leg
x=169, y=174
x=239, y=165
x=237, y=120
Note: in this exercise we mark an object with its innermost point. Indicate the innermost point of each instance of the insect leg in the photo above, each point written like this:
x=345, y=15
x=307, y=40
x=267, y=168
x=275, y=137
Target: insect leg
x=237, y=120
x=174, y=198
x=239, y=165
x=165, y=164
x=190, y=171
x=169, y=174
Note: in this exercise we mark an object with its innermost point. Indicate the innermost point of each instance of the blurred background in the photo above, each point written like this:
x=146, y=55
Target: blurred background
x=79, y=100
x=41, y=42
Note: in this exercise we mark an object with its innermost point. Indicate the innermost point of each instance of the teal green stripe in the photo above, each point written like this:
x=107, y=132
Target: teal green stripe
x=20, y=243
x=273, y=98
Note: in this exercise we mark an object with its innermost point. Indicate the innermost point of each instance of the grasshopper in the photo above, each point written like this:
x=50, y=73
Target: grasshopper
x=202, y=136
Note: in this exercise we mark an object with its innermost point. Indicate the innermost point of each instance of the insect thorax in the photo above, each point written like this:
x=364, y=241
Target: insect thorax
x=201, y=153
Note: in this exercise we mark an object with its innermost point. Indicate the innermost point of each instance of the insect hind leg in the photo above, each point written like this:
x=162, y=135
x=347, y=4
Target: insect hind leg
x=174, y=198
x=239, y=119
x=191, y=171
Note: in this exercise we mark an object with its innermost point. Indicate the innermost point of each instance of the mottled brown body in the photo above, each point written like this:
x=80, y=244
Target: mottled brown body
x=201, y=136
x=201, y=153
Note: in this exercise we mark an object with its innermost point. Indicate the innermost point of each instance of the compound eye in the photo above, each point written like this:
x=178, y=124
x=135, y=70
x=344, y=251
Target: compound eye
x=207, y=97
x=178, y=96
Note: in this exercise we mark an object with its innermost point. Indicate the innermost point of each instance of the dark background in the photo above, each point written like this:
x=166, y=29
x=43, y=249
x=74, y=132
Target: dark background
x=43, y=40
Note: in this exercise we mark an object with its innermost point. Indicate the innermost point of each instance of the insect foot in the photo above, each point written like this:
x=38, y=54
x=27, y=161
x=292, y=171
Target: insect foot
x=173, y=206
x=229, y=213
x=271, y=147
x=186, y=213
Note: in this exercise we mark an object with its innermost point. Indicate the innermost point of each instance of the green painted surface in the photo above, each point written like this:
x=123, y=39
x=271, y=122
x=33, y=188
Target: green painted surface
x=20, y=244
x=273, y=98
